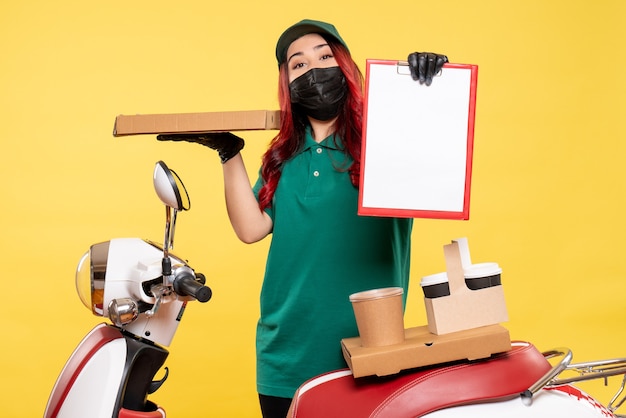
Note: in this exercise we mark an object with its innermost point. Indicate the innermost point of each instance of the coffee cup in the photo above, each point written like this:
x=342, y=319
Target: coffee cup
x=435, y=285
x=379, y=316
x=482, y=275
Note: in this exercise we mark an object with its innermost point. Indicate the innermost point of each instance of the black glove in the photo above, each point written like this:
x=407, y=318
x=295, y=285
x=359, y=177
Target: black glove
x=425, y=65
x=226, y=144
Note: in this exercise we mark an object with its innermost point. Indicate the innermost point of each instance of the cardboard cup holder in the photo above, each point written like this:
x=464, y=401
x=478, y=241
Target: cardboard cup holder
x=476, y=296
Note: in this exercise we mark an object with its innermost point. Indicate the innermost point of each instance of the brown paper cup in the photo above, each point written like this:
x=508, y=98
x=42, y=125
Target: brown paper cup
x=379, y=316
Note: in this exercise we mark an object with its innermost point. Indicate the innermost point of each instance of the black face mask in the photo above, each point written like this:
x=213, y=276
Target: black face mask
x=320, y=92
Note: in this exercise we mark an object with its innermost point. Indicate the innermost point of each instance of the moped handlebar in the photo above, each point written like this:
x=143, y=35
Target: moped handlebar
x=188, y=285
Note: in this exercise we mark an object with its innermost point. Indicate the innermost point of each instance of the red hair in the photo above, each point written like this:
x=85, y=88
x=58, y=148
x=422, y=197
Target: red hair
x=290, y=138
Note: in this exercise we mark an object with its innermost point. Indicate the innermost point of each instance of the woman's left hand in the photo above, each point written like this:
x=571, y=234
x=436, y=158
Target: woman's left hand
x=425, y=65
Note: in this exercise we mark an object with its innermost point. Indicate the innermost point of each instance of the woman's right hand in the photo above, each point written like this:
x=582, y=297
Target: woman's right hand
x=226, y=144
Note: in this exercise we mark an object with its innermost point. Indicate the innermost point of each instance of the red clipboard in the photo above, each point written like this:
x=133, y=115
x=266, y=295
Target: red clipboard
x=417, y=145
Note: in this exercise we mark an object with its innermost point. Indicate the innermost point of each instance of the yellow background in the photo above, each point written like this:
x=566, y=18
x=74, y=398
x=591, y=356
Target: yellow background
x=547, y=193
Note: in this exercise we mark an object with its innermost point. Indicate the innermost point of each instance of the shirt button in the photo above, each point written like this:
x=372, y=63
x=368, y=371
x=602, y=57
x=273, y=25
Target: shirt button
x=316, y=173
x=319, y=150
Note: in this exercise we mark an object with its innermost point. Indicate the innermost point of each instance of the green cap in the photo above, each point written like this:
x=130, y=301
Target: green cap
x=302, y=28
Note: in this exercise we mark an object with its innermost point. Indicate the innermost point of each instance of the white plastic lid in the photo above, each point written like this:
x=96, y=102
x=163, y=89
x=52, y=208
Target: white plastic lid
x=482, y=270
x=434, y=279
x=376, y=294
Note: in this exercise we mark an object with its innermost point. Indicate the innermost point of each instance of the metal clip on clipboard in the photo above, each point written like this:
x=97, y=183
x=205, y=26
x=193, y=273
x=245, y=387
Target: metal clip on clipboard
x=403, y=69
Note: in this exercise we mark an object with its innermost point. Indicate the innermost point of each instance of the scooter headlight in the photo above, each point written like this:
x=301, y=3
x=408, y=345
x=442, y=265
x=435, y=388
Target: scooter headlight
x=90, y=275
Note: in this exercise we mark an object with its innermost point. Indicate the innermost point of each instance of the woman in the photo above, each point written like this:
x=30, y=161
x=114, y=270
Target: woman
x=306, y=197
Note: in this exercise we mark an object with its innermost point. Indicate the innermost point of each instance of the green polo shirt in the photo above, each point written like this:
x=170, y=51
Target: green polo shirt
x=321, y=252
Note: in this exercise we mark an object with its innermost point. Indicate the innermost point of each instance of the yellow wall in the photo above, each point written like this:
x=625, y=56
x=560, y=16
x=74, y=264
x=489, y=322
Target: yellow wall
x=548, y=184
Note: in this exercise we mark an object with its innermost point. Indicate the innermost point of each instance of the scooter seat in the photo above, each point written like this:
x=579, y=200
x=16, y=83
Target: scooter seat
x=418, y=392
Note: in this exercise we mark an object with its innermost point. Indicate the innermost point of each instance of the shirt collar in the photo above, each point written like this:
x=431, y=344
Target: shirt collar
x=328, y=142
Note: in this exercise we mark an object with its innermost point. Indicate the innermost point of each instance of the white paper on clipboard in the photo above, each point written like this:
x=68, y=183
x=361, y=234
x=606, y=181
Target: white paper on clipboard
x=417, y=142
